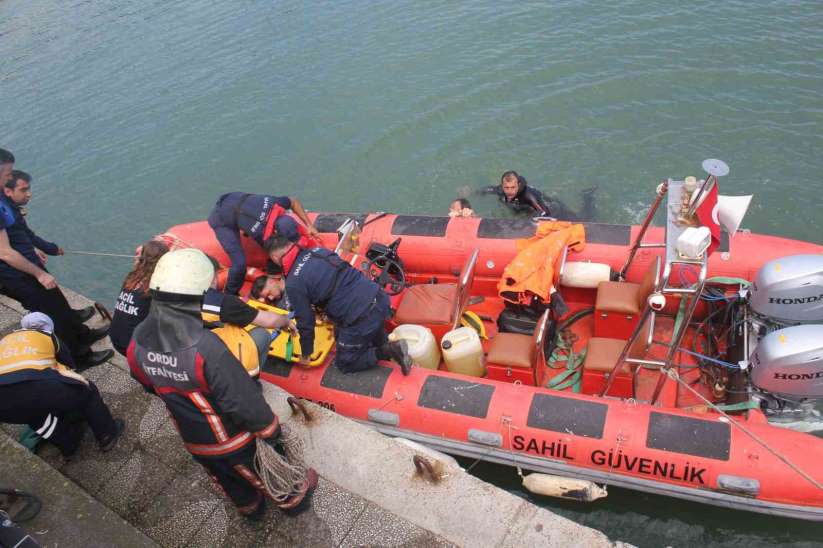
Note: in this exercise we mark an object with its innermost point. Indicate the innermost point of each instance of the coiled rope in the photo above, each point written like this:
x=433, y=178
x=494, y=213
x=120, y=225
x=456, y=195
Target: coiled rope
x=283, y=477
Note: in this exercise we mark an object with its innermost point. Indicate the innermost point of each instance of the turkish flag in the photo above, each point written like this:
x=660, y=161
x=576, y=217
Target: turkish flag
x=706, y=213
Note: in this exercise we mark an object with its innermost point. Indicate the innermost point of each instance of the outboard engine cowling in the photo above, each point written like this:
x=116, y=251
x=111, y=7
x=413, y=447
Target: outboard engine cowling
x=789, y=289
x=789, y=362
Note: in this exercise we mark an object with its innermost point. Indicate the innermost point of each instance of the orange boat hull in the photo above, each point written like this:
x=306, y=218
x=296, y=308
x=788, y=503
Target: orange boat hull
x=699, y=456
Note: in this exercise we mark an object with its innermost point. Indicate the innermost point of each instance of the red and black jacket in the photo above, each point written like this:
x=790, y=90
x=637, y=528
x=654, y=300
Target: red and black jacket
x=218, y=408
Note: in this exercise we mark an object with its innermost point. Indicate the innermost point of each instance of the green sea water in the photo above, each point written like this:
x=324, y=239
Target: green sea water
x=134, y=116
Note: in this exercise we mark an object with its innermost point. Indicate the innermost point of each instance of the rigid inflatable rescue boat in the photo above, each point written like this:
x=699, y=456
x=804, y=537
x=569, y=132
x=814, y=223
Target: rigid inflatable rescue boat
x=658, y=371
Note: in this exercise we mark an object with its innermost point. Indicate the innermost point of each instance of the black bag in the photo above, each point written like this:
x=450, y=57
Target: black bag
x=523, y=320
x=518, y=319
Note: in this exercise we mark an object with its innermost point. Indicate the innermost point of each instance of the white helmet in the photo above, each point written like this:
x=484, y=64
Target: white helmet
x=183, y=272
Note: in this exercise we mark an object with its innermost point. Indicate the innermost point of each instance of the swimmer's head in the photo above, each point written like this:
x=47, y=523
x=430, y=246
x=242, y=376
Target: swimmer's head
x=461, y=208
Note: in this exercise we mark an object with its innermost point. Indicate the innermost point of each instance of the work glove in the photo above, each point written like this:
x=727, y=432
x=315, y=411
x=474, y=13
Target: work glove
x=275, y=441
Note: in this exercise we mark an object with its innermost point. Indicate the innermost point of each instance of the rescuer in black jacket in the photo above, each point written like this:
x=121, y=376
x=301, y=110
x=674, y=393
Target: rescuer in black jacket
x=218, y=408
x=319, y=278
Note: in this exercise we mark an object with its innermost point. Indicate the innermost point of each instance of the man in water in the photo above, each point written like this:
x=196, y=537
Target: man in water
x=461, y=207
x=266, y=290
x=257, y=216
x=515, y=192
x=227, y=315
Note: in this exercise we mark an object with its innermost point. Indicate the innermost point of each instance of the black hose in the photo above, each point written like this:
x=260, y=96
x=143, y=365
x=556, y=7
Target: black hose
x=580, y=314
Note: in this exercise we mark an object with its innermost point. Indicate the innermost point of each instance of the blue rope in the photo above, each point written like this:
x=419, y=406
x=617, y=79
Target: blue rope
x=713, y=360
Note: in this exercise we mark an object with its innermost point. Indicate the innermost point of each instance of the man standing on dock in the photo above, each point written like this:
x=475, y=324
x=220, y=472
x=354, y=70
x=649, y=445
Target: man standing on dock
x=219, y=410
x=23, y=273
x=257, y=216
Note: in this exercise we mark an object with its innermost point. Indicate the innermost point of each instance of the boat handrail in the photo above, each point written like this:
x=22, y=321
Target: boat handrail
x=464, y=287
x=638, y=241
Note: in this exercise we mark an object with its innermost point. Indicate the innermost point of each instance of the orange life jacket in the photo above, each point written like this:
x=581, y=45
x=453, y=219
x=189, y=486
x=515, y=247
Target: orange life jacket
x=534, y=270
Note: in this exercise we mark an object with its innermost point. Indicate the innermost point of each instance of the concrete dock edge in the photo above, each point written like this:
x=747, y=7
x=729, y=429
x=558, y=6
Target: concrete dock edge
x=149, y=489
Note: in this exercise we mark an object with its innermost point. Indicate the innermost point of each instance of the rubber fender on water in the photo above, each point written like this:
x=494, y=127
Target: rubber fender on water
x=564, y=488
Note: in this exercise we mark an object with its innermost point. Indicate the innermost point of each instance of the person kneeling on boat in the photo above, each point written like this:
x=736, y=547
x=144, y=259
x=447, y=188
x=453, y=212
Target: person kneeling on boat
x=258, y=216
x=356, y=305
x=219, y=410
x=227, y=316
x=38, y=390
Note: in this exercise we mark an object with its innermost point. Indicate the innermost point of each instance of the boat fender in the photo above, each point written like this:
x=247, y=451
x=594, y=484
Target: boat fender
x=584, y=274
x=431, y=454
x=564, y=488
x=657, y=301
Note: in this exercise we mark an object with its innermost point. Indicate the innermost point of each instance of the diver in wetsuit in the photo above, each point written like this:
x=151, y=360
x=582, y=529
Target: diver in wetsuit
x=515, y=192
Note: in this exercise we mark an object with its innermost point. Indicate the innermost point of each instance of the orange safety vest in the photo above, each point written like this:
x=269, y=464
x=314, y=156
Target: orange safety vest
x=534, y=269
x=29, y=349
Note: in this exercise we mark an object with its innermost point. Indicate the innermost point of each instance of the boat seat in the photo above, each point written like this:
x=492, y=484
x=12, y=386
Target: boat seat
x=619, y=304
x=438, y=304
x=427, y=304
x=627, y=297
x=602, y=353
x=514, y=351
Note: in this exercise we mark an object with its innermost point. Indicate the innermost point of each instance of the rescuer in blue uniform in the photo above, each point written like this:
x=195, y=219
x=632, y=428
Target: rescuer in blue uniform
x=358, y=307
x=257, y=216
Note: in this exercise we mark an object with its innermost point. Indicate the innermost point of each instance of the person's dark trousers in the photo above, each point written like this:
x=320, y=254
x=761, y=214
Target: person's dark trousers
x=45, y=404
x=122, y=351
x=236, y=476
x=358, y=344
x=262, y=340
x=36, y=298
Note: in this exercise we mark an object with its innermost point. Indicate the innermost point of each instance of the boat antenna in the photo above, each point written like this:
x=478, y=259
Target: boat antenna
x=715, y=168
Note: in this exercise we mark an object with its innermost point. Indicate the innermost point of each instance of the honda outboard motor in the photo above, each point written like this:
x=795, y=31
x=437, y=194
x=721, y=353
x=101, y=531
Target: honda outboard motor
x=789, y=362
x=786, y=332
x=787, y=374
x=789, y=290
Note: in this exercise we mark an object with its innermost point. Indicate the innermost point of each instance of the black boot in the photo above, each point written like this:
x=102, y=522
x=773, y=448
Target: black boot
x=92, y=358
x=398, y=352
x=84, y=314
x=108, y=443
x=258, y=513
x=300, y=500
x=91, y=336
